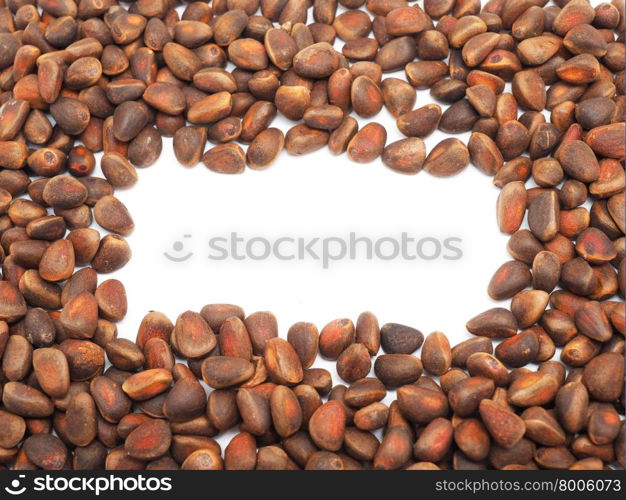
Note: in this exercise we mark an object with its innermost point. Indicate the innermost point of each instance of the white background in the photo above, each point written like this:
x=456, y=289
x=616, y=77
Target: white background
x=316, y=195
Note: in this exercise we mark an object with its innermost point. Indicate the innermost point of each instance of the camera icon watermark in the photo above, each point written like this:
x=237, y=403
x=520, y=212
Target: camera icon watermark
x=16, y=488
x=178, y=251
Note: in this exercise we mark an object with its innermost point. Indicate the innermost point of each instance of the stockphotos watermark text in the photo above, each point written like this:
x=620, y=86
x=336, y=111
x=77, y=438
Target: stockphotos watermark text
x=323, y=249
x=96, y=485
